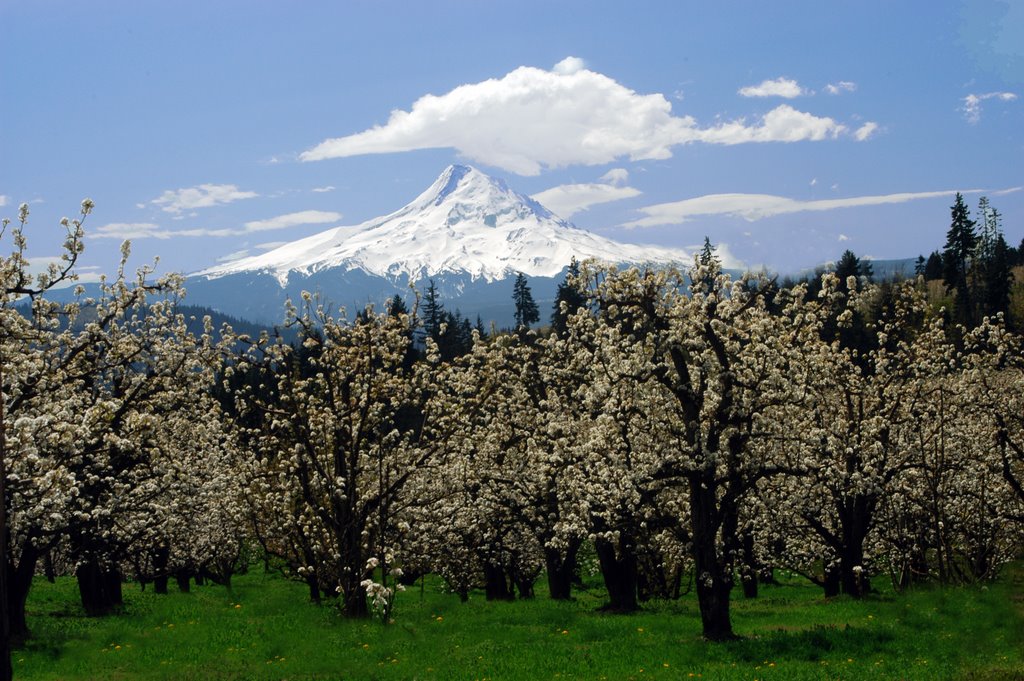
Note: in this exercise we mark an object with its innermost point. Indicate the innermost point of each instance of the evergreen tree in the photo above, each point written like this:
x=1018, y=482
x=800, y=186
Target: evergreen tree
x=991, y=276
x=933, y=268
x=479, y=326
x=919, y=266
x=707, y=258
x=961, y=242
x=526, y=309
x=397, y=306
x=850, y=265
x=433, y=312
x=571, y=296
x=998, y=278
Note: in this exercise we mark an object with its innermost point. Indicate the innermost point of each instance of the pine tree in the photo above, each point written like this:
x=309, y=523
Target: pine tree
x=433, y=312
x=479, y=326
x=397, y=307
x=961, y=242
x=526, y=309
x=850, y=265
x=992, y=275
x=919, y=266
x=933, y=268
x=708, y=259
x=571, y=296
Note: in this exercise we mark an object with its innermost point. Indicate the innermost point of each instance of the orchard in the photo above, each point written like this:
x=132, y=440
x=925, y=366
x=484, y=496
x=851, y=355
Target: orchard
x=673, y=428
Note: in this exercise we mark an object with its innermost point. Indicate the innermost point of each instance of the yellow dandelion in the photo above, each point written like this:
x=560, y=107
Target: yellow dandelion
x=665, y=665
x=117, y=647
x=640, y=629
x=237, y=606
x=564, y=632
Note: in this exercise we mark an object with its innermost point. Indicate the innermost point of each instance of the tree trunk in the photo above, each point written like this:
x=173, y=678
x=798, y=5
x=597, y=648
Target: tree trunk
x=48, y=571
x=713, y=575
x=19, y=582
x=99, y=588
x=314, y=588
x=561, y=571
x=620, y=575
x=495, y=584
x=354, y=605
x=749, y=568
x=161, y=556
x=184, y=579
x=831, y=582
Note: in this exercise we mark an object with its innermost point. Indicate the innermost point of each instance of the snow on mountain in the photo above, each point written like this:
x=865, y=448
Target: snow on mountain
x=466, y=223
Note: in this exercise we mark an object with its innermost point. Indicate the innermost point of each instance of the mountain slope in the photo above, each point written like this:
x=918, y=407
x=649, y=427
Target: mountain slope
x=468, y=232
x=465, y=223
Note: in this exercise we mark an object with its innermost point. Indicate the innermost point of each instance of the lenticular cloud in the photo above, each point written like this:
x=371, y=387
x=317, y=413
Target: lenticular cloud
x=532, y=118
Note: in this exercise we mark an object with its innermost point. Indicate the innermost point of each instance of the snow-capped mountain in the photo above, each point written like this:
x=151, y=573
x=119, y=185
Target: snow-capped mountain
x=466, y=223
x=468, y=232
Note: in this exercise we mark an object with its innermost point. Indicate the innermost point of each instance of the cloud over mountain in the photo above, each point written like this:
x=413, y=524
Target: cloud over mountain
x=531, y=118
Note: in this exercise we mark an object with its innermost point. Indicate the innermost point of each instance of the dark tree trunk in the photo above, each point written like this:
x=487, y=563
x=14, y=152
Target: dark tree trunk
x=561, y=571
x=524, y=586
x=19, y=582
x=99, y=588
x=619, y=571
x=354, y=605
x=48, y=571
x=161, y=556
x=495, y=584
x=713, y=574
x=831, y=582
x=749, y=569
x=184, y=580
x=200, y=578
x=314, y=588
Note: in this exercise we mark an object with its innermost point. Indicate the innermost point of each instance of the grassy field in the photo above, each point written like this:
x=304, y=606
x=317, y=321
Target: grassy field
x=266, y=629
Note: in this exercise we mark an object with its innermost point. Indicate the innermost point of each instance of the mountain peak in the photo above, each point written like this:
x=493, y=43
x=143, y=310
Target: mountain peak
x=465, y=222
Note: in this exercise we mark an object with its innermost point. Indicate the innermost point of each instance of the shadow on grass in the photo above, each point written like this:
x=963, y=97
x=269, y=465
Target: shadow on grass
x=812, y=644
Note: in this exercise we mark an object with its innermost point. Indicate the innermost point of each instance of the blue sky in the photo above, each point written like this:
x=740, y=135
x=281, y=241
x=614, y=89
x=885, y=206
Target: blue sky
x=786, y=131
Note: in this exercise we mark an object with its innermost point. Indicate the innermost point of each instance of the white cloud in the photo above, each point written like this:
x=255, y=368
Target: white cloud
x=781, y=124
x=843, y=237
x=865, y=131
x=322, y=190
x=237, y=255
x=840, y=87
x=4, y=199
x=149, y=230
x=305, y=217
x=972, y=104
x=201, y=196
x=814, y=181
x=569, y=66
x=780, y=87
x=568, y=199
x=270, y=245
x=616, y=176
x=530, y=119
x=753, y=207
x=128, y=230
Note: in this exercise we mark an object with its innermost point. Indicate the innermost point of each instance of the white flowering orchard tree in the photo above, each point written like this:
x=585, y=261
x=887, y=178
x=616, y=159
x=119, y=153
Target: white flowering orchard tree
x=717, y=370
x=349, y=428
x=20, y=385
x=501, y=498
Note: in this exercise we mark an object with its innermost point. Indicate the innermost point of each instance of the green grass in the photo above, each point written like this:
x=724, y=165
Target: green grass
x=267, y=630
